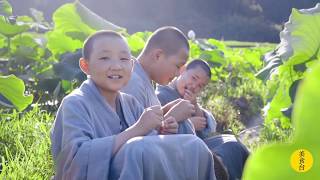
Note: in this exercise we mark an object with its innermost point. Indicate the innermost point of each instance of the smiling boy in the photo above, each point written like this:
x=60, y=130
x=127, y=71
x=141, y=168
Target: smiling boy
x=97, y=131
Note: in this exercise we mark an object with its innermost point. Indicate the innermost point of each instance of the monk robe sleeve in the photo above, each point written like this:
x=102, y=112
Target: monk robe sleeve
x=77, y=154
x=211, y=125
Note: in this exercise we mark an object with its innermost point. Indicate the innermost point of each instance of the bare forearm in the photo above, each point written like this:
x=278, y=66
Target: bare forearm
x=124, y=136
x=199, y=111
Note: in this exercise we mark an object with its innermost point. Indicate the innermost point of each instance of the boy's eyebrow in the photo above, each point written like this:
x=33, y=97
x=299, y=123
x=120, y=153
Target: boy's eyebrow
x=105, y=50
x=108, y=51
x=125, y=52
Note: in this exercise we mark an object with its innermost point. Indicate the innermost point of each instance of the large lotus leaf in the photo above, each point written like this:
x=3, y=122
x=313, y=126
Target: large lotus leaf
x=27, y=46
x=273, y=162
x=272, y=66
x=214, y=57
x=37, y=15
x=59, y=43
x=64, y=37
x=5, y=8
x=5, y=102
x=73, y=23
x=195, y=50
x=66, y=19
x=219, y=44
x=136, y=42
x=68, y=68
x=300, y=41
x=12, y=88
x=93, y=20
x=9, y=30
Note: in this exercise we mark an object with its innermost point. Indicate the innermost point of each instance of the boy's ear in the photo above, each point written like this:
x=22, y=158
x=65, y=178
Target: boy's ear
x=182, y=69
x=157, y=54
x=132, y=64
x=84, y=65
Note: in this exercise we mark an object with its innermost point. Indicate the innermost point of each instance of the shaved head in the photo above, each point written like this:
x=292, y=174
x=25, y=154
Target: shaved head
x=199, y=63
x=88, y=43
x=169, y=39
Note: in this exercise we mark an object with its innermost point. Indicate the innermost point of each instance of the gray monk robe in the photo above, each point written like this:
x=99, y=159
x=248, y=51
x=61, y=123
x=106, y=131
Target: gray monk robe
x=140, y=86
x=232, y=152
x=170, y=93
x=83, y=136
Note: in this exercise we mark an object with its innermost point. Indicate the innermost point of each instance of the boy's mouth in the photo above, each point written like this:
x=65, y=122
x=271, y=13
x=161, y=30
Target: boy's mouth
x=115, y=77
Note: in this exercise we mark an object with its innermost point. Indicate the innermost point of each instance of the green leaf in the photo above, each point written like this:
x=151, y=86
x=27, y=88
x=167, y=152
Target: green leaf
x=9, y=30
x=73, y=24
x=59, y=43
x=136, y=42
x=272, y=66
x=5, y=102
x=300, y=39
x=5, y=8
x=25, y=46
x=215, y=57
x=93, y=20
x=220, y=45
x=272, y=162
x=12, y=88
x=68, y=68
x=37, y=15
x=195, y=50
x=66, y=19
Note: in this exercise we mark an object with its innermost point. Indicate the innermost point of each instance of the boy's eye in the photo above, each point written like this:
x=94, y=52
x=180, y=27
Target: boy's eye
x=104, y=58
x=125, y=59
x=194, y=78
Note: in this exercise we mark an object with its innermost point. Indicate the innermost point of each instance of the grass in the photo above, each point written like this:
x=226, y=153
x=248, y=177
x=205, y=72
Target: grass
x=25, y=145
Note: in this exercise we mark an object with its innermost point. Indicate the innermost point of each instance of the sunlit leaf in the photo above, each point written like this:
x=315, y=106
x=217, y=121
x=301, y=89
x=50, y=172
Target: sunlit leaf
x=93, y=20
x=12, y=88
x=5, y=8
x=9, y=30
x=136, y=42
x=273, y=162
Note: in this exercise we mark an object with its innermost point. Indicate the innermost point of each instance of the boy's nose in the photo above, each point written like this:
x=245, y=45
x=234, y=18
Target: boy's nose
x=116, y=66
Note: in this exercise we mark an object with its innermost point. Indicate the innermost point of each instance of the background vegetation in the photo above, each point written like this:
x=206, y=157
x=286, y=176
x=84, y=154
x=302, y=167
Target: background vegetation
x=253, y=84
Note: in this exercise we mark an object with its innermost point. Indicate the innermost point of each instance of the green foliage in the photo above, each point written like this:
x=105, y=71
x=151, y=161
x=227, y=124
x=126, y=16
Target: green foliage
x=5, y=8
x=46, y=57
x=298, y=50
x=12, y=89
x=25, y=145
x=137, y=41
x=273, y=161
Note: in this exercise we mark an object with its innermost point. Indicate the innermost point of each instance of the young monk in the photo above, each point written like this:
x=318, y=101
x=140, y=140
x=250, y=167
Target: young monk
x=194, y=77
x=96, y=131
x=165, y=52
x=192, y=80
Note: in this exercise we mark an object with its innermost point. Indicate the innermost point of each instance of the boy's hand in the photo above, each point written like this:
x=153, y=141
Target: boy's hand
x=199, y=123
x=169, y=105
x=169, y=126
x=151, y=118
x=189, y=95
x=182, y=110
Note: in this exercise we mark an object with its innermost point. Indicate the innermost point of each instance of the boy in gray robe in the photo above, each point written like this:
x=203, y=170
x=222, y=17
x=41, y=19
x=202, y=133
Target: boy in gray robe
x=165, y=52
x=192, y=80
x=98, y=131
